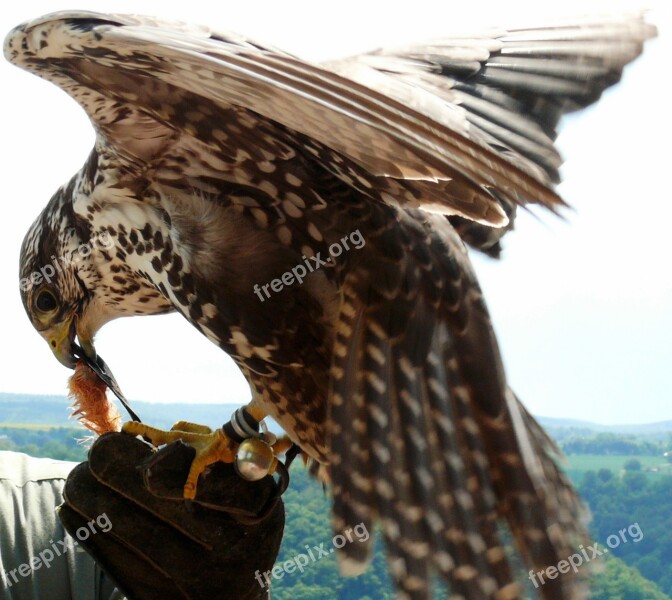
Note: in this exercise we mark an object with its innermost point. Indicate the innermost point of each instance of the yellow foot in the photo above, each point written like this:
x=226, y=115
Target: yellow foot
x=282, y=445
x=211, y=447
x=190, y=427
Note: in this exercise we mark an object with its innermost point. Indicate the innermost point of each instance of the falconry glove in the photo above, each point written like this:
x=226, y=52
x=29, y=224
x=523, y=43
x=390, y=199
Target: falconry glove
x=159, y=546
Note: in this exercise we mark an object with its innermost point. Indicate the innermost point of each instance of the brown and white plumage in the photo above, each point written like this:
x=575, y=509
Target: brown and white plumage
x=220, y=163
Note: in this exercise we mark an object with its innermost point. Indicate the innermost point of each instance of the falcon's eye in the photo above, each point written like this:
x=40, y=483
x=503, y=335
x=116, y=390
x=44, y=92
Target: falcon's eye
x=46, y=302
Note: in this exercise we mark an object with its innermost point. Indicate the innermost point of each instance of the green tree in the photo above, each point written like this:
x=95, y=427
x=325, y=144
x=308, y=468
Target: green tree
x=633, y=465
x=620, y=582
x=635, y=481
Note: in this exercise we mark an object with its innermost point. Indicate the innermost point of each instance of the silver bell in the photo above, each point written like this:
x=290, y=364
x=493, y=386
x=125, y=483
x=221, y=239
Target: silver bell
x=254, y=459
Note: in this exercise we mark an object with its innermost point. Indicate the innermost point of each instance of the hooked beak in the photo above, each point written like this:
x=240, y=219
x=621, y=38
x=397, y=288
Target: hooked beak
x=62, y=342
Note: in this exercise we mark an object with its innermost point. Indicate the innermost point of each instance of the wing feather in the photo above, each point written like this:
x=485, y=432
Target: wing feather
x=427, y=438
x=156, y=70
x=522, y=79
x=415, y=125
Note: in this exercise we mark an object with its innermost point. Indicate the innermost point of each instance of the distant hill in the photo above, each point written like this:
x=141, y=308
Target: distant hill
x=644, y=428
x=563, y=428
x=53, y=410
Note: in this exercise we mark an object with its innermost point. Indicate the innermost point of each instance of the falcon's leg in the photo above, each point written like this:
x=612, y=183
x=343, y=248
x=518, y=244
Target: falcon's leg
x=282, y=445
x=190, y=427
x=211, y=446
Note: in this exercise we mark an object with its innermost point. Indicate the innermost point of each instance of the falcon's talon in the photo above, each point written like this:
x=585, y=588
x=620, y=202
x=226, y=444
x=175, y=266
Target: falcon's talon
x=190, y=427
x=281, y=445
x=210, y=447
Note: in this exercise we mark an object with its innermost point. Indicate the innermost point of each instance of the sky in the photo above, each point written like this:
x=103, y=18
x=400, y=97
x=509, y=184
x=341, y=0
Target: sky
x=582, y=307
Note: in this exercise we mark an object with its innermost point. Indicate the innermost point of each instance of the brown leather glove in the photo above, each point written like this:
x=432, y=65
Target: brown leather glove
x=125, y=507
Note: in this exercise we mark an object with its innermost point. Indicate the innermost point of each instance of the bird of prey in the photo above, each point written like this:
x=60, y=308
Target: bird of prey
x=222, y=164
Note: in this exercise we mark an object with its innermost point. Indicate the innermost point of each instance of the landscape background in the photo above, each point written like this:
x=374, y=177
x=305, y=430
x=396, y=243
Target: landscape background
x=623, y=472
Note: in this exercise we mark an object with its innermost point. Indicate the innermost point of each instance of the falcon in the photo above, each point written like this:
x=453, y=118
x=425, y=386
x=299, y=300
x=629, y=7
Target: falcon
x=222, y=164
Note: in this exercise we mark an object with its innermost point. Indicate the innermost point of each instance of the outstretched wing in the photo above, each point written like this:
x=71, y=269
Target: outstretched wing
x=424, y=427
x=506, y=89
x=425, y=434
x=148, y=85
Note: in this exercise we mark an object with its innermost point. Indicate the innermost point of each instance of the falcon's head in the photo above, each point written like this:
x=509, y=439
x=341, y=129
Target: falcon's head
x=56, y=264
